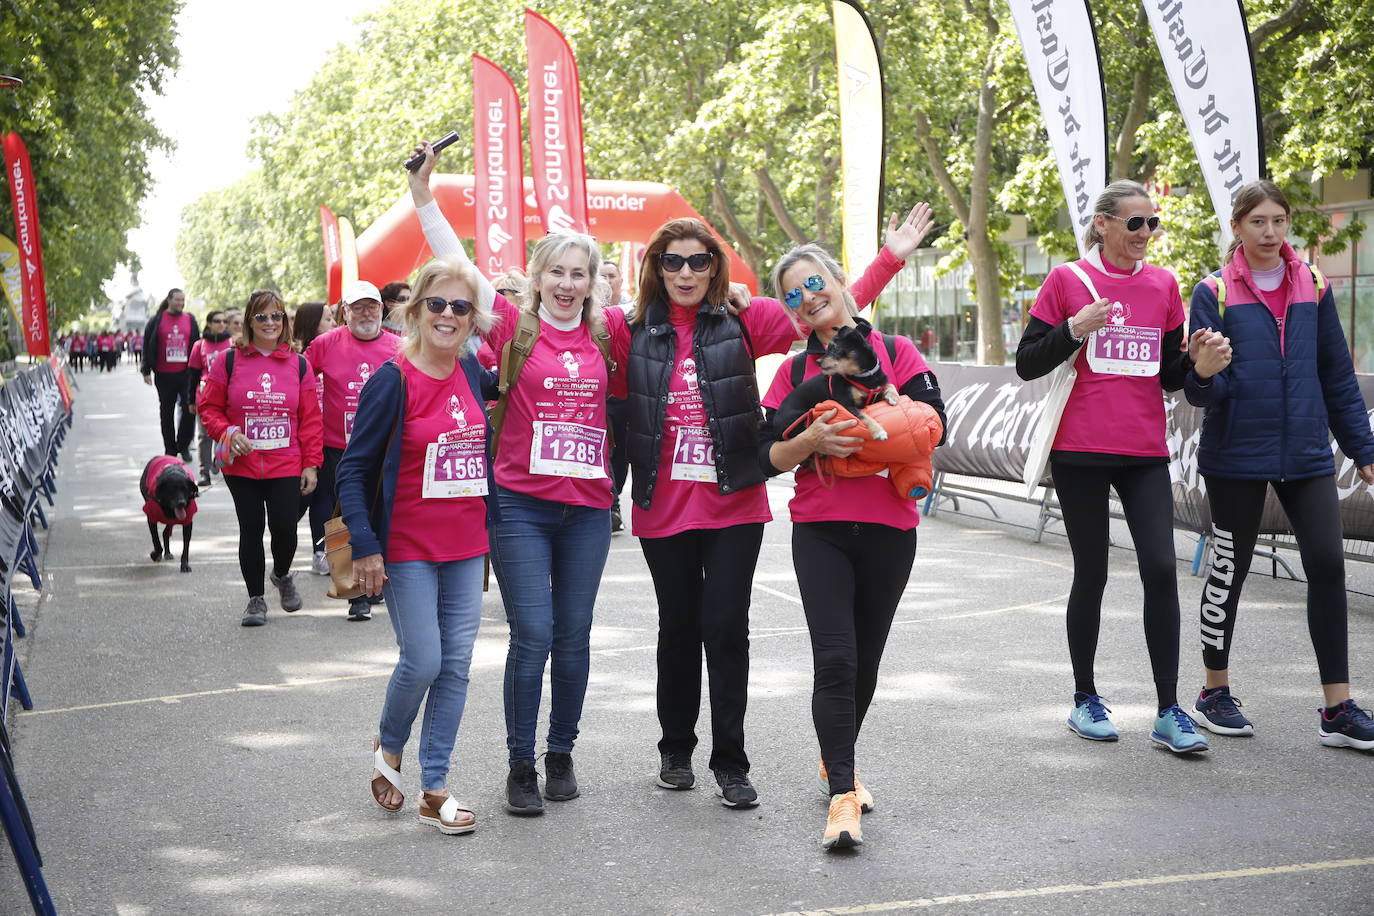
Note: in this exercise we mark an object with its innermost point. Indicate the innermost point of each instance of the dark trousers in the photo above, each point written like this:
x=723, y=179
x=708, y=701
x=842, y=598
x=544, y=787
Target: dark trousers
x=320, y=503
x=618, y=416
x=270, y=503
x=173, y=392
x=851, y=576
x=703, y=580
x=1147, y=502
x=1315, y=517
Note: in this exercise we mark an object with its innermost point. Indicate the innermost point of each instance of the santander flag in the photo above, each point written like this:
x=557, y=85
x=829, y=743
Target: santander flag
x=26, y=236
x=555, y=99
x=499, y=169
x=333, y=257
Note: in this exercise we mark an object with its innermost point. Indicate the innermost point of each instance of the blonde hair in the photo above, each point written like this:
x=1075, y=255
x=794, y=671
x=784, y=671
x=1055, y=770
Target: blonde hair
x=546, y=252
x=821, y=258
x=515, y=281
x=432, y=274
x=1107, y=203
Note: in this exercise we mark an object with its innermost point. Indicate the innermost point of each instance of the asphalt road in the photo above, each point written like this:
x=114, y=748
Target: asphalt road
x=177, y=762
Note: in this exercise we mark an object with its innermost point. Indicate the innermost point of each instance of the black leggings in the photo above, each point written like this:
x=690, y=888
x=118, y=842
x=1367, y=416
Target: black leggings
x=173, y=392
x=851, y=576
x=1147, y=501
x=1314, y=515
x=703, y=580
x=273, y=503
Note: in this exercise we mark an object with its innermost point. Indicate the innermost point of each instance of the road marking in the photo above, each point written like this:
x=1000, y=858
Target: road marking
x=1157, y=880
x=178, y=697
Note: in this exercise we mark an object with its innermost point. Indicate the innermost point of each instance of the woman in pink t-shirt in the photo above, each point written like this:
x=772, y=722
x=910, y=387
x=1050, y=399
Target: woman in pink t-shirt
x=258, y=401
x=214, y=339
x=1120, y=321
x=854, y=540
x=413, y=485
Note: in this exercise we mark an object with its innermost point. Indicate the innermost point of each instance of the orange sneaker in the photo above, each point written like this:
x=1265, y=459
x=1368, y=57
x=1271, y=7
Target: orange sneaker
x=865, y=797
x=842, y=823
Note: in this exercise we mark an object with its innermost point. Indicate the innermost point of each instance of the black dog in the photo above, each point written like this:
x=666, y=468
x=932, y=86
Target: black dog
x=169, y=498
x=851, y=375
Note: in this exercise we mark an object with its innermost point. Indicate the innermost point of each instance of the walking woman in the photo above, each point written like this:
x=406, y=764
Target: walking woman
x=1288, y=380
x=1121, y=322
x=413, y=485
x=553, y=492
x=259, y=402
x=214, y=339
x=853, y=542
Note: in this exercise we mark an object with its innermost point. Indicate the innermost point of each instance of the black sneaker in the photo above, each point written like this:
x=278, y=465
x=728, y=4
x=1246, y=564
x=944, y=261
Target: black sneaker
x=290, y=597
x=255, y=615
x=359, y=609
x=522, y=789
x=1351, y=727
x=185, y=456
x=560, y=782
x=735, y=789
x=675, y=771
x=203, y=482
x=617, y=523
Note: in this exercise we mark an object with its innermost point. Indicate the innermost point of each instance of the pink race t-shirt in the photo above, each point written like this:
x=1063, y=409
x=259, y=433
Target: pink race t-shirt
x=1277, y=300
x=1117, y=404
x=852, y=499
x=173, y=342
x=203, y=349
x=439, y=513
x=686, y=495
x=346, y=363
x=554, y=443
x=272, y=403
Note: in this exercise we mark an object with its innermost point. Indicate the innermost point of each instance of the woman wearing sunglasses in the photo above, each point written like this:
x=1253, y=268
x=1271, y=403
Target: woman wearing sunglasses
x=1121, y=321
x=259, y=403
x=1268, y=411
x=854, y=540
x=413, y=485
x=552, y=528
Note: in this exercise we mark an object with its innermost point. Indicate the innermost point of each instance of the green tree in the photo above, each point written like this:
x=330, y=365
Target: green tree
x=86, y=69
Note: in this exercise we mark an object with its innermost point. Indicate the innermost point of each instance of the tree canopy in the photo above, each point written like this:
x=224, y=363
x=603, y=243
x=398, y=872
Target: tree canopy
x=734, y=104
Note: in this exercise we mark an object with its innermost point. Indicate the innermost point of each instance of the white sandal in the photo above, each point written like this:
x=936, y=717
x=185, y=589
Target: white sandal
x=449, y=817
x=390, y=778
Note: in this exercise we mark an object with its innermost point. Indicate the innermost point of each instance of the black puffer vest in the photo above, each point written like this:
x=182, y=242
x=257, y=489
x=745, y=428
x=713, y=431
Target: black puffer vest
x=729, y=392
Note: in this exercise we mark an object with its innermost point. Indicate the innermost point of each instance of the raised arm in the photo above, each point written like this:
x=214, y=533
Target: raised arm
x=443, y=241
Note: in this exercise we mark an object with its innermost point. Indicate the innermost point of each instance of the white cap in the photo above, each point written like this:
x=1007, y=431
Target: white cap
x=358, y=290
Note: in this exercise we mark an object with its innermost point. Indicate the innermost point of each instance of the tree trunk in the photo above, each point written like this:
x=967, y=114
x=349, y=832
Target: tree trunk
x=1139, y=106
x=750, y=250
x=982, y=254
x=779, y=206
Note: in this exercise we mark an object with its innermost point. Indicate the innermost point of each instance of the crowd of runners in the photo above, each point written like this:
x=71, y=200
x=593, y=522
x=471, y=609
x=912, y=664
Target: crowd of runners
x=455, y=421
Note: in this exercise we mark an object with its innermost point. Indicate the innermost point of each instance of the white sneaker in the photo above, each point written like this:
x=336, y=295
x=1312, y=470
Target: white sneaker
x=321, y=565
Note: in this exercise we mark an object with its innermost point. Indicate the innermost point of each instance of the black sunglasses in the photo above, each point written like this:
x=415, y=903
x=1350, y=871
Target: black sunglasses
x=1135, y=222
x=699, y=262
x=264, y=317
x=437, y=304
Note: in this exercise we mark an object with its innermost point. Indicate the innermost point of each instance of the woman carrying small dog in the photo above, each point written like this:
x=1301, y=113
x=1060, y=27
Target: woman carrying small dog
x=413, y=487
x=1121, y=322
x=259, y=403
x=853, y=545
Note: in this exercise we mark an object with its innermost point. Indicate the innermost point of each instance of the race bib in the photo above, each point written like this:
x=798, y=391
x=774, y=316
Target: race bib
x=694, y=456
x=176, y=353
x=267, y=433
x=568, y=450
x=456, y=465
x=1125, y=350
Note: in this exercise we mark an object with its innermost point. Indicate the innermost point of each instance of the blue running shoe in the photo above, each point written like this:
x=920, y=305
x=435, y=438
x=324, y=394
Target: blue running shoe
x=1176, y=731
x=1089, y=718
x=1220, y=712
x=1351, y=727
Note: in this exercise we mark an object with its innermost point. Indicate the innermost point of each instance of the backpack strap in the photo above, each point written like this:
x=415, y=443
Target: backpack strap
x=229, y=365
x=513, y=357
x=1218, y=286
x=1319, y=279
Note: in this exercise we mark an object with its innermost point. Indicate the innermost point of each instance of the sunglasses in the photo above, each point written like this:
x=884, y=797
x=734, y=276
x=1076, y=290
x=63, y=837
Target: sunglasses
x=437, y=304
x=793, y=297
x=274, y=317
x=1135, y=222
x=699, y=262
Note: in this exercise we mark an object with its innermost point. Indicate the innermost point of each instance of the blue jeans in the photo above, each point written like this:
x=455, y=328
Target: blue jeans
x=548, y=558
x=435, y=611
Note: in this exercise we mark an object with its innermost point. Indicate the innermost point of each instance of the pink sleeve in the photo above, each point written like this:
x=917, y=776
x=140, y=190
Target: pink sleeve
x=771, y=326
x=1176, y=316
x=507, y=317
x=309, y=420
x=1049, y=302
x=909, y=363
x=618, y=326
x=317, y=352
x=213, y=401
x=876, y=278
x=197, y=358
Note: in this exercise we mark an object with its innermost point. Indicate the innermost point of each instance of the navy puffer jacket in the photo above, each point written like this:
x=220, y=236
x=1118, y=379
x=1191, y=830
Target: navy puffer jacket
x=1269, y=411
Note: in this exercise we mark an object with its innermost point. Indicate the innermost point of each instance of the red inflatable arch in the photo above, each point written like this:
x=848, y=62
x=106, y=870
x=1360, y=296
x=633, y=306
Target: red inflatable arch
x=393, y=247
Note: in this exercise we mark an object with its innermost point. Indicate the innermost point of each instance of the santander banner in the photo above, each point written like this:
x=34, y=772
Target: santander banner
x=555, y=100
x=1060, y=45
x=25, y=200
x=333, y=258
x=1206, y=51
x=499, y=167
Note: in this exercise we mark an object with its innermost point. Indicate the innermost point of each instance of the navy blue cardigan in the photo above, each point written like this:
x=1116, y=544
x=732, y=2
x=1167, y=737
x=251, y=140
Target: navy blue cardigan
x=1269, y=411
x=381, y=408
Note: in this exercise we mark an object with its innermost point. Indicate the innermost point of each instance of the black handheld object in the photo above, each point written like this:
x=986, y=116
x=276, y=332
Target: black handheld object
x=439, y=145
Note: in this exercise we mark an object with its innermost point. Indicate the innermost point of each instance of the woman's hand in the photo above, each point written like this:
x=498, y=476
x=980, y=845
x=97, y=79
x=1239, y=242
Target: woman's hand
x=1366, y=474
x=369, y=573
x=1091, y=317
x=419, y=179
x=824, y=438
x=240, y=445
x=309, y=477
x=1197, y=341
x=739, y=299
x=1213, y=356
x=903, y=239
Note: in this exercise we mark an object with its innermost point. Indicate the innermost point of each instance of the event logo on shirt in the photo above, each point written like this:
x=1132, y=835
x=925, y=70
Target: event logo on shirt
x=1119, y=313
x=266, y=396
x=455, y=410
x=689, y=373
x=570, y=363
